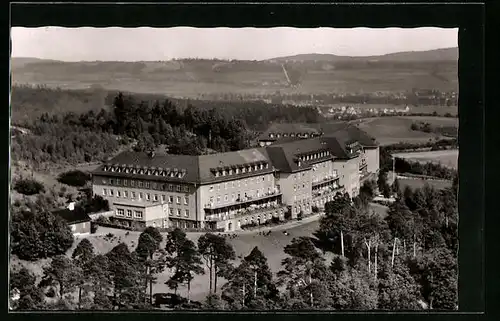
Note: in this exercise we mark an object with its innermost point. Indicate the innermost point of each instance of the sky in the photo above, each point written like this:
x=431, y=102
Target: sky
x=151, y=44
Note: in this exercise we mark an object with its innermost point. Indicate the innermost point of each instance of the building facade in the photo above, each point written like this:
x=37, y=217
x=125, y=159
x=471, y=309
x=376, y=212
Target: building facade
x=227, y=191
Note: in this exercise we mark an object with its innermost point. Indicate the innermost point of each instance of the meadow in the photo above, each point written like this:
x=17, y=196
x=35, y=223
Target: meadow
x=392, y=130
x=447, y=158
x=189, y=78
x=420, y=183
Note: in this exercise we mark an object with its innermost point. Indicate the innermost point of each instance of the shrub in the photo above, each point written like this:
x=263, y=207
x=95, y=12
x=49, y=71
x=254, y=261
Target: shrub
x=300, y=215
x=315, y=209
x=102, y=220
x=29, y=186
x=74, y=178
x=93, y=227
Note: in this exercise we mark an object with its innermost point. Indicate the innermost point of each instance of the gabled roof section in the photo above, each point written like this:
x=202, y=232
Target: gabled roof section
x=75, y=216
x=175, y=168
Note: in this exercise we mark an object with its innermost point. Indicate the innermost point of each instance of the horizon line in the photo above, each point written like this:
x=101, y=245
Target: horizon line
x=231, y=59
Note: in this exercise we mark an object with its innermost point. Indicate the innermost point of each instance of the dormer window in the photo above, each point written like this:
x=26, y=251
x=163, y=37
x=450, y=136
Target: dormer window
x=243, y=169
x=267, y=165
x=261, y=166
x=237, y=170
x=230, y=172
x=112, y=169
x=255, y=168
x=224, y=172
x=271, y=135
x=180, y=174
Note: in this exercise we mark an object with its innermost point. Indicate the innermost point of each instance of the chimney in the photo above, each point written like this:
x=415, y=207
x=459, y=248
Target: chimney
x=71, y=206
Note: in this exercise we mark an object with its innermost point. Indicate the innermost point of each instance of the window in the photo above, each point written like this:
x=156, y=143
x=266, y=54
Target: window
x=186, y=213
x=104, y=191
x=154, y=185
x=118, y=194
x=218, y=187
x=263, y=178
x=178, y=188
x=112, y=181
x=171, y=210
x=237, y=171
x=125, y=194
x=170, y=187
x=120, y=212
x=133, y=195
x=218, y=199
x=233, y=184
x=211, y=189
x=230, y=172
x=148, y=196
x=125, y=182
x=132, y=183
x=178, y=200
x=104, y=181
x=170, y=199
x=225, y=198
x=138, y=214
x=269, y=178
x=118, y=181
x=186, y=188
x=129, y=213
x=139, y=184
x=232, y=197
x=178, y=212
x=147, y=185
x=164, y=198
x=186, y=200
x=73, y=228
x=156, y=198
x=140, y=196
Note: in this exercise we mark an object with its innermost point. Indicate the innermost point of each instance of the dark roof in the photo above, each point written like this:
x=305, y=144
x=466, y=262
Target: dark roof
x=75, y=216
x=198, y=169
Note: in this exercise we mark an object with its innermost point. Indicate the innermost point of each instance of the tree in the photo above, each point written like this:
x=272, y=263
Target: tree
x=148, y=253
x=30, y=296
x=217, y=254
x=126, y=275
x=74, y=178
x=190, y=264
x=383, y=186
x=100, y=281
x=41, y=235
x=28, y=187
x=250, y=284
x=368, y=189
x=82, y=257
x=304, y=271
x=336, y=225
x=173, y=248
x=62, y=273
x=397, y=289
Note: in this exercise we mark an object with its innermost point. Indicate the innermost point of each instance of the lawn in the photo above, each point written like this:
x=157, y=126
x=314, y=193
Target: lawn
x=447, y=158
x=392, y=130
x=419, y=183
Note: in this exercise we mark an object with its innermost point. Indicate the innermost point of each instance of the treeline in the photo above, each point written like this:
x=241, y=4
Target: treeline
x=407, y=261
x=29, y=102
x=451, y=131
x=191, y=129
x=401, y=165
x=56, y=140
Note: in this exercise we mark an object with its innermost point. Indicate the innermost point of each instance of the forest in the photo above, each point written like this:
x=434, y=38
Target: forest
x=355, y=260
x=96, y=134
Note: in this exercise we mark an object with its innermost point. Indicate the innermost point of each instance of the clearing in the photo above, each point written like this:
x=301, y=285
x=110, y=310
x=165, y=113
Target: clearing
x=392, y=130
x=447, y=158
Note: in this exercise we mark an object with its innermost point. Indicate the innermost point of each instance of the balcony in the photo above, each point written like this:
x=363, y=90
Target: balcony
x=331, y=190
x=244, y=200
x=244, y=212
x=327, y=179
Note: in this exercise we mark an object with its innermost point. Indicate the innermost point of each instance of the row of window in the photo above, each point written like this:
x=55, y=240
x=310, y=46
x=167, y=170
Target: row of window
x=314, y=156
x=146, y=184
x=242, y=169
x=246, y=182
x=147, y=196
x=179, y=173
x=235, y=197
x=128, y=213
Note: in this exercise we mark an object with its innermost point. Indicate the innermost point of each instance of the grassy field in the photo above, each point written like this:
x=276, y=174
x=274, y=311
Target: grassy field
x=188, y=78
x=391, y=130
x=419, y=183
x=444, y=157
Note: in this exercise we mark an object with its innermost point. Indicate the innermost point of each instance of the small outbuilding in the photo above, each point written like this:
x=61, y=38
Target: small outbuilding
x=77, y=219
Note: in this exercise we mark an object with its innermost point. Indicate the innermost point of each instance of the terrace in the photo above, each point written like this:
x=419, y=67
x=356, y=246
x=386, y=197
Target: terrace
x=242, y=212
x=245, y=201
x=318, y=183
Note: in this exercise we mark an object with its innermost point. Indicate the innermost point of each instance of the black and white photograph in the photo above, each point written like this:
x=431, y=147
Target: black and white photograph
x=233, y=169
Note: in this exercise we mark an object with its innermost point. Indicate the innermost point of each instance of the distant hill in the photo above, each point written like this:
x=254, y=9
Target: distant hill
x=446, y=54
x=193, y=78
